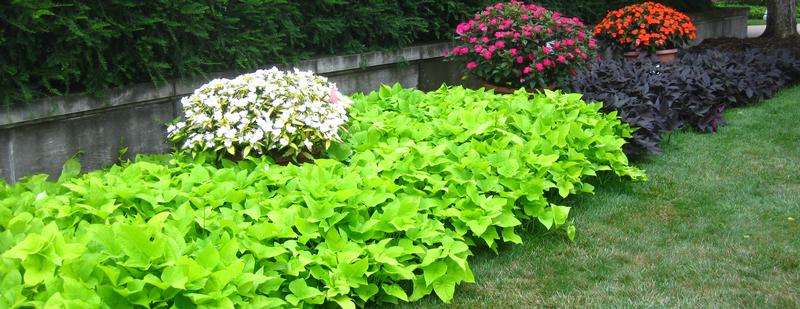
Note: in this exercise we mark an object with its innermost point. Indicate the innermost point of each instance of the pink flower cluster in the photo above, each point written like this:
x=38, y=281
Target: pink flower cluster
x=523, y=45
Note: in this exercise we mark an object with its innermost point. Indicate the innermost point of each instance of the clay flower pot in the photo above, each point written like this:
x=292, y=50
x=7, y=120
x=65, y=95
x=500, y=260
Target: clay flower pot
x=666, y=56
x=632, y=54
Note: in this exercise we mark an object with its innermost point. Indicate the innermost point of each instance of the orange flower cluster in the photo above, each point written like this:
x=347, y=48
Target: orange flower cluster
x=648, y=25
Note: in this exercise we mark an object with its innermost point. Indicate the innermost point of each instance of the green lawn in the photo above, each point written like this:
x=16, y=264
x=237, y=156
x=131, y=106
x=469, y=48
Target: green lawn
x=715, y=226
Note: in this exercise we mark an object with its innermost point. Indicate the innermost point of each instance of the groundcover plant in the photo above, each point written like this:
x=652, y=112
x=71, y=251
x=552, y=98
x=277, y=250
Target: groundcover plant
x=392, y=215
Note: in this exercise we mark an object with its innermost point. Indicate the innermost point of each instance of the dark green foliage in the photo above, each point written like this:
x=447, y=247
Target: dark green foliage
x=52, y=47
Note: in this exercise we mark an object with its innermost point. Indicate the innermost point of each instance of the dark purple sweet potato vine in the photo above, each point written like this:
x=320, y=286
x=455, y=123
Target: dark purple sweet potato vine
x=692, y=92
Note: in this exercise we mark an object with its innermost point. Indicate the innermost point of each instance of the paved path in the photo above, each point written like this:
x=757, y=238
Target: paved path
x=755, y=31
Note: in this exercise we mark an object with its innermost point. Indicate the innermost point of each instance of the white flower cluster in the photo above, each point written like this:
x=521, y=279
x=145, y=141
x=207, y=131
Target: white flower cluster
x=262, y=111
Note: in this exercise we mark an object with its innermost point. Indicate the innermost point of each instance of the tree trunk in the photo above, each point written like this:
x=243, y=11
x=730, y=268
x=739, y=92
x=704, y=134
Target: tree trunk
x=781, y=19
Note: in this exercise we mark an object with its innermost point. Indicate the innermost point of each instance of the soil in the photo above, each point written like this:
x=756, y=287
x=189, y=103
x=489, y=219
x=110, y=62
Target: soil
x=736, y=45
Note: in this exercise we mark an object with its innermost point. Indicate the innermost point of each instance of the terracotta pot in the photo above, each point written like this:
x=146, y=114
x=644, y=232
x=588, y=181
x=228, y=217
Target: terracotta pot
x=666, y=56
x=506, y=90
x=632, y=54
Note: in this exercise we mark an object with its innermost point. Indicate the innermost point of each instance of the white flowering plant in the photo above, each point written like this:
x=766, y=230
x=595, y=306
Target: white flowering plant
x=289, y=115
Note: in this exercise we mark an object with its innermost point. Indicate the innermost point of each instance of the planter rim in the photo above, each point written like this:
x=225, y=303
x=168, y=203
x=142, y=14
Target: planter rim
x=666, y=51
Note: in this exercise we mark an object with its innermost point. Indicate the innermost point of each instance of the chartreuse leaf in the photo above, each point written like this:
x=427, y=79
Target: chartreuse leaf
x=365, y=292
x=434, y=271
x=560, y=214
x=11, y=289
x=345, y=302
x=571, y=231
x=302, y=291
x=395, y=290
x=71, y=168
x=37, y=269
x=32, y=244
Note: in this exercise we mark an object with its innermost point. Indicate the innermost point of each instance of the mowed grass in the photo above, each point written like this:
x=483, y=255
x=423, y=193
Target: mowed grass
x=715, y=226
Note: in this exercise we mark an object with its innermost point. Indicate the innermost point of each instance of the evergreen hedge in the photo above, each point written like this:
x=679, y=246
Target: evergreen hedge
x=50, y=47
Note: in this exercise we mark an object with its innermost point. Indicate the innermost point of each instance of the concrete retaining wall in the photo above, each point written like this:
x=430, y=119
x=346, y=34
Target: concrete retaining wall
x=39, y=137
x=720, y=23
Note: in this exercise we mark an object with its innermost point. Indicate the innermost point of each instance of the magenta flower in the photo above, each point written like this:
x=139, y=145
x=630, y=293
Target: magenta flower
x=462, y=28
x=539, y=67
x=472, y=65
x=562, y=59
x=526, y=70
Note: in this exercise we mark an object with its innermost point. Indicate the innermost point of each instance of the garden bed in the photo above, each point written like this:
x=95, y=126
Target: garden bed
x=283, y=192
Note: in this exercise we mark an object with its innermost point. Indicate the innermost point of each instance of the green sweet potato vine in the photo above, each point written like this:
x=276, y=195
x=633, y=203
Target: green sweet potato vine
x=393, y=216
x=490, y=157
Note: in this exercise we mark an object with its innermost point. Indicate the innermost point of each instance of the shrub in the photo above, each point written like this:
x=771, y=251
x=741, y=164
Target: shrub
x=648, y=26
x=518, y=45
x=692, y=92
x=396, y=221
x=287, y=114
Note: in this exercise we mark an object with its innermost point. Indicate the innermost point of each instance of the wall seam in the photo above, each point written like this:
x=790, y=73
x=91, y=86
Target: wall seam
x=11, y=165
